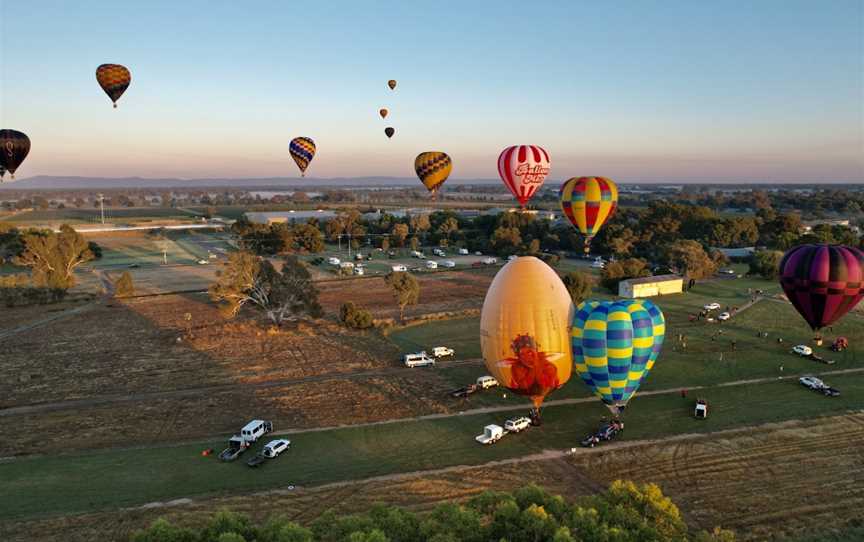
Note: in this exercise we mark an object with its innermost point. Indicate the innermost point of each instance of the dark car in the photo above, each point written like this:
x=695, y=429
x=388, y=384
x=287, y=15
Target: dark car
x=830, y=392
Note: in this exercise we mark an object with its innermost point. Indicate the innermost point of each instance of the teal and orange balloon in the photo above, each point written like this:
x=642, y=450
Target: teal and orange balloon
x=114, y=80
x=302, y=150
x=588, y=202
x=615, y=345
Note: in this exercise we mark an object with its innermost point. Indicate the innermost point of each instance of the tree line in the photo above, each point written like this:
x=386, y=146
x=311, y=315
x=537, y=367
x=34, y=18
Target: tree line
x=626, y=512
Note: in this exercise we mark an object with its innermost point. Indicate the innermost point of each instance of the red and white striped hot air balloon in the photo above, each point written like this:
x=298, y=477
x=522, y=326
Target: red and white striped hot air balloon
x=523, y=168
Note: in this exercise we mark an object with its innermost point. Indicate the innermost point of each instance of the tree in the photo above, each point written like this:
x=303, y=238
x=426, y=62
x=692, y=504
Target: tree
x=419, y=223
x=534, y=247
x=354, y=317
x=415, y=243
x=766, y=263
x=690, y=259
x=578, y=285
x=406, y=290
x=506, y=241
x=399, y=233
x=53, y=257
x=308, y=238
x=448, y=227
x=124, y=287
x=246, y=279
x=385, y=244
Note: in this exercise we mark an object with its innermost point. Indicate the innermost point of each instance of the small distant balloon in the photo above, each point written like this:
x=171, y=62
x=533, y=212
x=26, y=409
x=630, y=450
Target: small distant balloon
x=302, y=150
x=392, y=84
x=2, y=173
x=389, y=131
x=14, y=147
x=114, y=80
x=383, y=112
x=433, y=168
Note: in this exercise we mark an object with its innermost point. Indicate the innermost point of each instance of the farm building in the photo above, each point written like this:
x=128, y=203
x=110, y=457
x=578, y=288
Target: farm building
x=651, y=286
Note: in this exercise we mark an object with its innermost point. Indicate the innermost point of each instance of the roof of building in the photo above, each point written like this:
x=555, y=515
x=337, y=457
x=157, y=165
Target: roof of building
x=656, y=278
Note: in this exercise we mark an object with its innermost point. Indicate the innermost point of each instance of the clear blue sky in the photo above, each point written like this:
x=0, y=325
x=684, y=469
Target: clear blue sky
x=756, y=90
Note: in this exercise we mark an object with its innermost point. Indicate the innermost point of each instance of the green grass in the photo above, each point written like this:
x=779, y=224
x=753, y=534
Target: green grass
x=95, y=481
x=93, y=216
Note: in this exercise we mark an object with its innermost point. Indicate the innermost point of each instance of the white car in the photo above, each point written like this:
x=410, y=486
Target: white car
x=463, y=251
x=203, y=262
x=431, y=264
x=712, y=307
x=517, y=424
x=276, y=447
x=442, y=352
x=398, y=268
x=447, y=263
x=438, y=252
x=359, y=270
x=802, y=350
x=723, y=316
x=334, y=261
x=485, y=382
x=598, y=265
x=811, y=382
x=420, y=359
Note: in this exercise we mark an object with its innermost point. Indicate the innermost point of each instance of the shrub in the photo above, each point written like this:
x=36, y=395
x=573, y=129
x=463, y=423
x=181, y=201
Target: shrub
x=354, y=317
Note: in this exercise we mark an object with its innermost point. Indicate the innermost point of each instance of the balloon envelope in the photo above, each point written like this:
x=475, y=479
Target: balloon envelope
x=14, y=147
x=615, y=345
x=383, y=112
x=302, y=150
x=823, y=282
x=389, y=132
x=588, y=202
x=524, y=329
x=392, y=84
x=523, y=168
x=433, y=168
x=114, y=80
x=2, y=172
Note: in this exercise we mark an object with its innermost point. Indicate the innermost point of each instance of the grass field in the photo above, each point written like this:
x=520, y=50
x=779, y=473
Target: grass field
x=41, y=486
x=93, y=216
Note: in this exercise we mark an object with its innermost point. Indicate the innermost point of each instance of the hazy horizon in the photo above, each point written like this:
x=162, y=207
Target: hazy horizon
x=665, y=93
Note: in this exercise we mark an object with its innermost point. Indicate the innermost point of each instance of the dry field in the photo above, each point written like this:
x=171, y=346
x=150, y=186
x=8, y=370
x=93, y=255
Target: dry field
x=439, y=292
x=766, y=483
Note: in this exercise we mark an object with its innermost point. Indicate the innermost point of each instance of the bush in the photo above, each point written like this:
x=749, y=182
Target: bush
x=354, y=317
x=124, y=287
x=18, y=291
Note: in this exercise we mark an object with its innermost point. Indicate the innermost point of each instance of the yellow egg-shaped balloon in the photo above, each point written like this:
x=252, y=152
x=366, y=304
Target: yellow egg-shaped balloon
x=524, y=329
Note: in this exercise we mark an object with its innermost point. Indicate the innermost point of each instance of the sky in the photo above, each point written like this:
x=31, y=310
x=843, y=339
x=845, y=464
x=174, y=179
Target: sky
x=639, y=90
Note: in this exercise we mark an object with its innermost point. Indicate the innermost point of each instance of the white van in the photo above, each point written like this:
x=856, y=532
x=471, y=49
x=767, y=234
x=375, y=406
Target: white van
x=398, y=268
x=255, y=429
x=333, y=261
x=420, y=359
x=431, y=264
x=463, y=251
x=485, y=382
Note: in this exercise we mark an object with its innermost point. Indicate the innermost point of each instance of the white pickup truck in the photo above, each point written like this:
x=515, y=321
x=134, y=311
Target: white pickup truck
x=443, y=352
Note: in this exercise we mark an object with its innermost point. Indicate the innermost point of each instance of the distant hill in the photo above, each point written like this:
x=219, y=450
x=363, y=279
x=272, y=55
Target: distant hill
x=44, y=182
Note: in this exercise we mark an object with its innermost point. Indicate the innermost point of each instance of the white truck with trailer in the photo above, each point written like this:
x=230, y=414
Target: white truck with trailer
x=491, y=434
x=250, y=433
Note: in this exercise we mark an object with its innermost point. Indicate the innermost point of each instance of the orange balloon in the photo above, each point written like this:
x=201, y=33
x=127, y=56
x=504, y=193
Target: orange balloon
x=383, y=112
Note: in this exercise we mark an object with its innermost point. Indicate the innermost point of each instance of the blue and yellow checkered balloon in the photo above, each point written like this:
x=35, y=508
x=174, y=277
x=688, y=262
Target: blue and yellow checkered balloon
x=615, y=345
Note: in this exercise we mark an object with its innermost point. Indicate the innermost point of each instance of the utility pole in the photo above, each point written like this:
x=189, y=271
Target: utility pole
x=102, y=208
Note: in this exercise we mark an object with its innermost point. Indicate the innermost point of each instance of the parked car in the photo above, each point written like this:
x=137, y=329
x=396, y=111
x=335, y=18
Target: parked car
x=398, y=268
x=712, y=307
x=359, y=271
x=438, y=252
x=416, y=254
x=447, y=263
x=203, y=262
x=701, y=410
x=511, y=257
x=802, y=350
x=333, y=261
x=419, y=359
x=491, y=434
x=276, y=447
x=730, y=272
x=489, y=261
x=486, y=382
x=442, y=352
x=430, y=264
x=723, y=316
x=463, y=251
x=811, y=382
x=517, y=424
x=831, y=392
x=598, y=265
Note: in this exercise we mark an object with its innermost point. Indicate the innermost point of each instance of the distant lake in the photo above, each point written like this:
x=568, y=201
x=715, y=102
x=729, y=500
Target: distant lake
x=268, y=194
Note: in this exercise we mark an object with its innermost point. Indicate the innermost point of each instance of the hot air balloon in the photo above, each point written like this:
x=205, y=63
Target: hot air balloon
x=433, y=168
x=524, y=330
x=523, y=168
x=2, y=173
x=588, y=202
x=14, y=147
x=302, y=150
x=392, y=84
x=389, y=132
x=114, y=80
x=383, y=112
x=615, y=345
x=823, y=282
